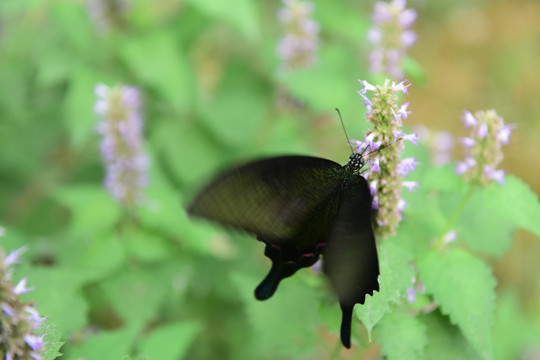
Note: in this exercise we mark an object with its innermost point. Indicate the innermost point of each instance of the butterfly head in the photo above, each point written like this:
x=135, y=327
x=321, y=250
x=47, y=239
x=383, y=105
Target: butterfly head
x=356, y=161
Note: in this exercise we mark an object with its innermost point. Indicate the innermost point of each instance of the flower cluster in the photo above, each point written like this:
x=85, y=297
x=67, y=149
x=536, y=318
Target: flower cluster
x=387, y=170
x=122, y=145
x=391, y=37
x=484, y=147
x=106, y=14
x=299, y=43
x=439, y=144
x=19, y=321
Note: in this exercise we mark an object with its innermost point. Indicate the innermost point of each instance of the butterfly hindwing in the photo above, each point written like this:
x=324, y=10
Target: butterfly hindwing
x=271, y=198
x=350, y=258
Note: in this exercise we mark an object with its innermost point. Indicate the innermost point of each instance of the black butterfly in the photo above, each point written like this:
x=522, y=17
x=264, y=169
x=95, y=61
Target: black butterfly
x=302, y=207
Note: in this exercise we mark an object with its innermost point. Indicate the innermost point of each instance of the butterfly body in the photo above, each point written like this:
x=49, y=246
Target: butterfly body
x=301, y=207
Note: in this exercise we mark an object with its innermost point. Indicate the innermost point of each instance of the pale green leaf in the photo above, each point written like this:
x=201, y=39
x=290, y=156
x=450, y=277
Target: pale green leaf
x=483, y=227
x=137, y=294
x=241, y=14
x=92, y=209
x=78, y=107
x=464, y=287
x=53, y=340
x=396, y=276
x=105, y=345
x=158, y=61
x=57, y=295
x=516, y=202
x=170, y=342
x=401, y=336
x=445, y=341
x=285, y=324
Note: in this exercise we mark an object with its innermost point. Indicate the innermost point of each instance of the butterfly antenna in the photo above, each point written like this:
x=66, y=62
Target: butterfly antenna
x=382, y=147
x=344, y=130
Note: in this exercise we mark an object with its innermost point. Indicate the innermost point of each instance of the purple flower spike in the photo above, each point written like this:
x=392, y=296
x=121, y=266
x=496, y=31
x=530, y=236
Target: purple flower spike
x=122, y=146
x=19, y=324
x=484, y=147
x=299, y=44
x=391, y=37
x=387, y=171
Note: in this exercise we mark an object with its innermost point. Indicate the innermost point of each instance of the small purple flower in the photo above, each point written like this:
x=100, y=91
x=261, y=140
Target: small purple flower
x=482, y=130
x=376, y=168
x=504, y=134
x=21, y=287
x=469, y=119
x=402, y=86
x=411, y=295
x=497, y=175
x=406, y=165
x=410, y=185
x=35, y=342
x=450, y=237
x=484, y=147
x=464, y=166
x=391, y=37
x=13, y=256
x=122, y=146
x=299, y=44
x=467, y=141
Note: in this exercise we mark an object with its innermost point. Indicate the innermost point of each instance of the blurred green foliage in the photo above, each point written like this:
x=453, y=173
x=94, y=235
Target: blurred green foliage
x=155, y=285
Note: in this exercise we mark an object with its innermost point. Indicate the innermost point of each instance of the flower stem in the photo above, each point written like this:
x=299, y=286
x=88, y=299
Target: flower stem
x=455, y=216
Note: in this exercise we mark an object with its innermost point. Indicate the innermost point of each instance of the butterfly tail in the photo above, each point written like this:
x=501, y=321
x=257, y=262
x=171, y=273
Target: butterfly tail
x=346, y=321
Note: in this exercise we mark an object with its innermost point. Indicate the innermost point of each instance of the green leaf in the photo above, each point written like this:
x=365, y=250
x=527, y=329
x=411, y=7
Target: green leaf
x=515, y=330
x=95, y=256
x=52, y=340
x=286, y=323
x=157, y=61
x=242, y=14
x=305, y=84
x=483, y=227
x=445, y=341
x=442, y=178
x=93, y=209
x=186, y=151
x=137, y=294
x=105, y=345
x=57, y=295
x=236, y=115
x=170, y=342
x=396, y=276
x=78, y=107
x=516, y=202
x=464, y=287
x=401, y=336
x=146, y=246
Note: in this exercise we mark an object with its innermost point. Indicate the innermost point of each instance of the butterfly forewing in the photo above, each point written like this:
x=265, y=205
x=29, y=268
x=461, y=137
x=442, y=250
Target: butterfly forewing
x=272, y=198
